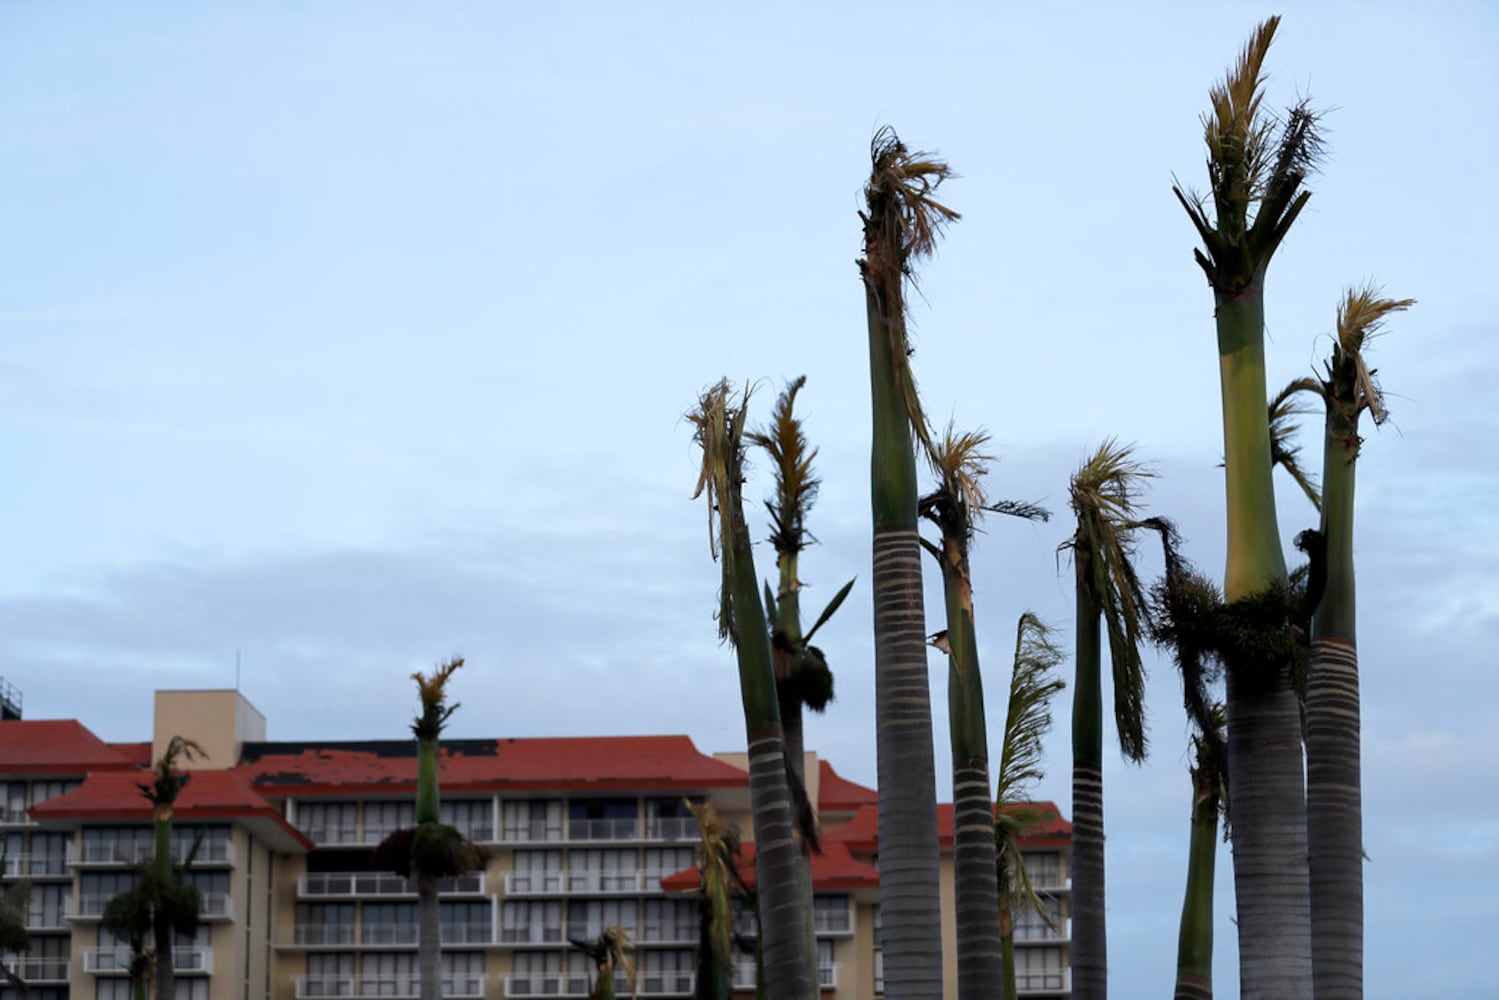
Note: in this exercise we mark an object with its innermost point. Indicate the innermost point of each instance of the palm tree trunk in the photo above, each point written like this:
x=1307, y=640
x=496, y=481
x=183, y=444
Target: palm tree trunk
x=1007, y=942
x=1267, y=794
x=908, y=859
x=1090, y=961
x=1194, y=949
x=974, y=863
x=1334, y=779
x=429, y=942
x=789, y=625
x=161, y=930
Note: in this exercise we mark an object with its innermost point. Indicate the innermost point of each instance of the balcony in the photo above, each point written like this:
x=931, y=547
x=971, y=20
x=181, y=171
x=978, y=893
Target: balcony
x=671, y=828
x=531, y=934
x=47, y=920
x=532, y=832
x=323, y=935
x=463, y=985
x=346, y=885
x=186, y=961
x=534, y=883
x=547, y=984
x=743, y=976
x=34, y=866
x=831, y=922
x=389, y=935
x=1039, y=933
x=672, y=934
x=36, y=971
x=1051, y=981
x=602, y=830
x=336, y=836
x=101, y=853
x=475, y=932
x=12, y=816
x=665, y=984
x=211, y=906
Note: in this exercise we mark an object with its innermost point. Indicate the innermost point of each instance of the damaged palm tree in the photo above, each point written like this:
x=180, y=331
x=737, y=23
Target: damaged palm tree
x=716, y=868
x=610, y=953
x=1333, y=774
x=1027, y=720
x=162, y=904
x=1105, y=494
x=802, y=675
x=718, y=425
x=431, y=850
x=956, y=507
x=1258, y=165
x=901, y=225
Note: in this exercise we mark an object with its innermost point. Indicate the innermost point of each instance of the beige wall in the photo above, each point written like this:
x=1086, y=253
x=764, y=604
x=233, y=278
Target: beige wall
x=218, y=721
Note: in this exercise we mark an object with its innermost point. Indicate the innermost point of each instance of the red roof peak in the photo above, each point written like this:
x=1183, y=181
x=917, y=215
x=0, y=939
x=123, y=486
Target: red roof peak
x=55, y=746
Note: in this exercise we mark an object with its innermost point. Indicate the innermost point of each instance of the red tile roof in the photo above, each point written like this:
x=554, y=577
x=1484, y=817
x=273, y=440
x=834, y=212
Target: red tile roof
x=591, y=763
x=836, y=793
x=138, y=753
x=55, y=746
x=861, y=833
x=834, y=868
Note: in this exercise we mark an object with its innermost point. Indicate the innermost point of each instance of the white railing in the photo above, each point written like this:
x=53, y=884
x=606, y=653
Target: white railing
x=324, y=986
x=389, y=934
x=1028, y=932
x=323, y=934
x=546, y=984
x=470, y=932
x=1043, y=982
x=743, y=976
x=668, y=934
x=133, y=852
x=534, y=883
x=40, y=970
x=831, y=922
x=326, y=836
x=34, y=865
x=466, y=984
x=530, y=934
x=605, y=883
x=532, y=832
x=215, y=906
x=340, y=884
x=48, y=920
x=15, y=817
x=671, y=828
x=603, y=829
x=665, y=984
x=187, y=960
x=827, y=976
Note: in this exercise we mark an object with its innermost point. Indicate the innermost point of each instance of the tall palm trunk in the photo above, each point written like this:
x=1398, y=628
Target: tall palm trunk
x=1194, y=947
x=162, y=931
x=1334, y=775
x=788, y=969
x=1257, y=168
x=1090, y=956
x=428, y=811
x=901, y=225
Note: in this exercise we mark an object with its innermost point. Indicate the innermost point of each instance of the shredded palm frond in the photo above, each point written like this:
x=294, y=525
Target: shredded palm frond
x=718, y=428
x=1028, y=715
x=718, y=843
x=796, y=483
x=1361, y=318
x=433, y=690
x=1284, y=450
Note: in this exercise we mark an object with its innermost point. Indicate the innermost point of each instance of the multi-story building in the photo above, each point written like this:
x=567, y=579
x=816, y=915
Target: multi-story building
x=583, y=833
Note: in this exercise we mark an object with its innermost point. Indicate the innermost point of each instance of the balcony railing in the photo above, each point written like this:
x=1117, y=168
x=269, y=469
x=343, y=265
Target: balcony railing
x=464, y=984
x=534, y=883
x=35, y=970
x=321, y=885
x=14, y=816
x=665, y=984
x=47, y=920
x=389, y=934
x=531, y=934
x=186, y=961
x=1058, y=980
x=335, y=836
x=546, y=984
x=314, y=935
x=621, y=828
x=831, y=921
x=605, y=883
x=585, y=883
x=211, y=906
x=1028, y=932
x=584, y=930
x=743, y=976
x=471, y=932
x=133, y=852
x=34, y=866
x=678, y=934
x=671, y=828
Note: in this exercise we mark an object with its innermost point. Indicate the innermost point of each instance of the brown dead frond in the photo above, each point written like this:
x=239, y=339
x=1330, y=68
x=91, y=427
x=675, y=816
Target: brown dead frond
x=718, y=428
x=1361, y=318
x=432, y=688
x=796, y=483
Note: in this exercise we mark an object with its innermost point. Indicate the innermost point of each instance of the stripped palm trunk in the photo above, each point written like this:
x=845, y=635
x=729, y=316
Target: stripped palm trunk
x=1027, y=720
x=954, y=506
x=719, y=427
x=1103, y=493
x=1194, y=947
x=901, y=226
x=1257, y=167
x=173, y=908
x=1334, y=778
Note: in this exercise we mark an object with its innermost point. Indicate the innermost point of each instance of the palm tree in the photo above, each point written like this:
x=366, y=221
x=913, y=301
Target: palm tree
x=802, y=674
x=1104, y=496
x=1027, y=719
x=1334, y=780
x=610, y=953
x=13, y=936
x=716, y=867
x=901, y=226
x=1257, y=168
x=719, y=431
x=431, y=850
x=956, y=507
x=1194, y=948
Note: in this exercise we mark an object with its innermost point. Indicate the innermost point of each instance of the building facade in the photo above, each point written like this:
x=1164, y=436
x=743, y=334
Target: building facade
x=583, y=833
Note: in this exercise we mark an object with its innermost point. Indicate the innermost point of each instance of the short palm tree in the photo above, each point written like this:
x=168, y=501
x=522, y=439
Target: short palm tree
x=718, y=422
x=431, y=850
x=1334, y=779
x=802, y=675
x=13, y=936
x=1104, y=496
x=1257, y=168
x=1027, y=720
x=610, y=952
x=1194, y=948
x=719, y=842
x=162, y=904
x=901, y=225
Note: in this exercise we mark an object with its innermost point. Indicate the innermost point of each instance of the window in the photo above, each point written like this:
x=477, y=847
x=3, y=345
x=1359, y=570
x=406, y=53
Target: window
x=537, y=871
x=602, y=819
x=41, y=791
x=1044, y=868
x=117, y=844
x=472, y=818
x=586, y=919
x=329, y=974
x=1038, y=969
x=830, y=914
x=466, y=923
x=381, y=819
x=536, y=922
x=324, y=923
x=389, y=924
x=663, y=861
x=112, y=989
x=13, y=802
x=669, y=819
x=602, y=871
x=388, y=974
x=670, y=920
x=531, y=820
x=329, y=822
x=1030, y=926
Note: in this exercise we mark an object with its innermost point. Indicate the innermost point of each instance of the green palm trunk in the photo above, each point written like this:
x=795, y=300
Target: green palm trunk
x=1194, y=948
x=162, y=932
x=901, y=225
x=1090, y=962
x=428, y=813
x=788, y=968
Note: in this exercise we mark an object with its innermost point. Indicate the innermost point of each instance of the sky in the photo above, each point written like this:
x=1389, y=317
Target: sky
x=339, y=338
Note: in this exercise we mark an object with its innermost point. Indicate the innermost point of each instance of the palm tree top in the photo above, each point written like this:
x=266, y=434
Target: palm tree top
x=434, y=695
x=1361, y=318
x=961, y=464
x=796, y=483
x=1028, y=717
x=1257, y=167
x=1108, y=486
x=718, y=428
x=164, y=788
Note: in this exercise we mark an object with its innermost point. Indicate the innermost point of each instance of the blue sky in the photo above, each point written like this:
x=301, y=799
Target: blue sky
x=344, y=337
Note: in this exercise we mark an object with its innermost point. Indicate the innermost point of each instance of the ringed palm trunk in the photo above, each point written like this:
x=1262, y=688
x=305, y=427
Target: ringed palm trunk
x=980, y=974
x=1194, y=948
x=428, y=811
x=162, y=932
x=1090, y=960
x=1267, y=793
